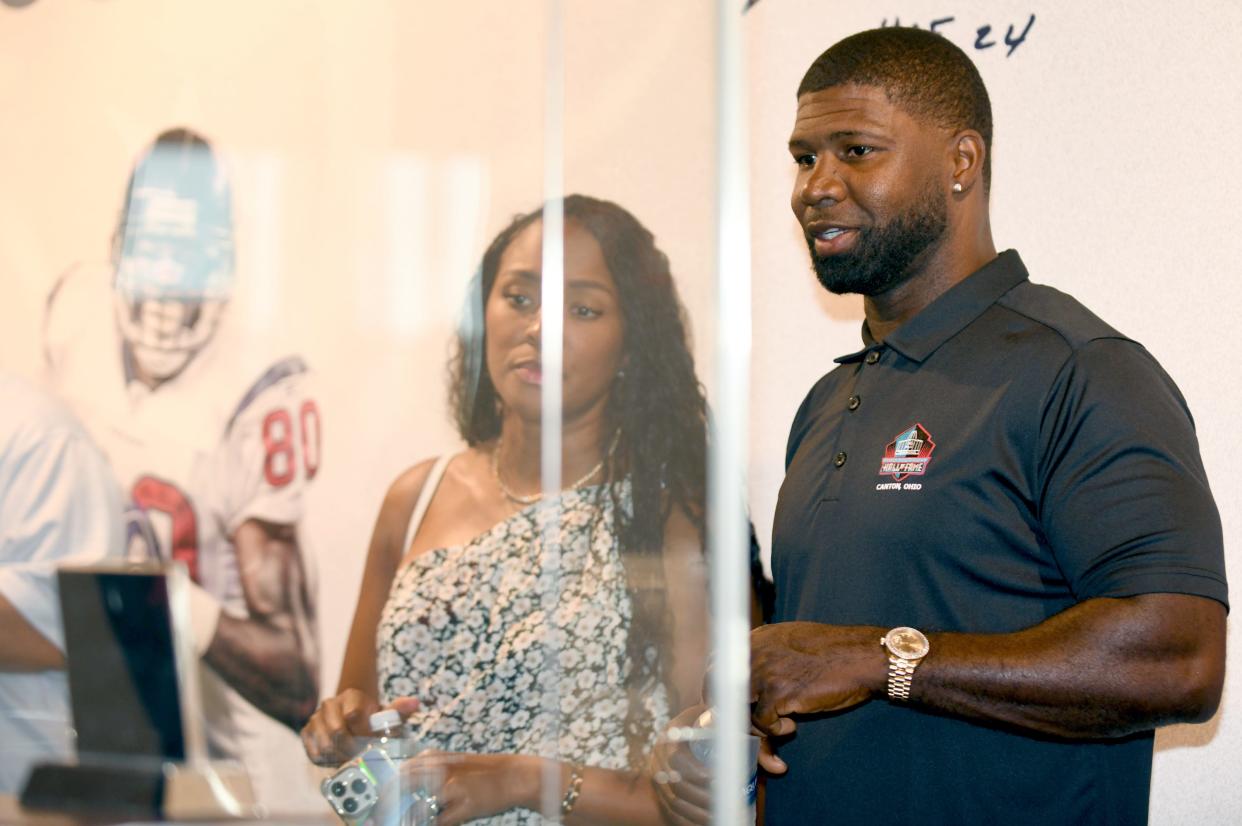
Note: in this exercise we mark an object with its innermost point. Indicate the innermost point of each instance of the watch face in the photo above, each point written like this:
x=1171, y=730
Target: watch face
x=907, y=643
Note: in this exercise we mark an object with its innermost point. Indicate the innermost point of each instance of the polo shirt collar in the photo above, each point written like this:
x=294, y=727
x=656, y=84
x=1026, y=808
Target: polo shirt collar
x=950, y=313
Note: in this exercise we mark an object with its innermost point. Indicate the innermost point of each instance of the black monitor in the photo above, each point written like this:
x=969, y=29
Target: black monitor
x=128, y=674
x=133, y=689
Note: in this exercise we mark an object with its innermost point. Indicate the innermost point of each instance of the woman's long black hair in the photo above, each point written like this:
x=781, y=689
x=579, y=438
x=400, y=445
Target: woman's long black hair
x=657, y=405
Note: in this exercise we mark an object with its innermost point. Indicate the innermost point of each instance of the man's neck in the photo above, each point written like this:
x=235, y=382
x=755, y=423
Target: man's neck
x=950, y=264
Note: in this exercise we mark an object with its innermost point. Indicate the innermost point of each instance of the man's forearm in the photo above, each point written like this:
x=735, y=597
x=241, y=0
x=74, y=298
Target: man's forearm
x=1104, y=668
x=269, y=665
x=271, y=657
x=22, y=647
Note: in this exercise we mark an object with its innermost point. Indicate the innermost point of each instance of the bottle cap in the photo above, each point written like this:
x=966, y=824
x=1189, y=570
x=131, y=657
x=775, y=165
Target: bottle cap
x=706, y=719
x=386, y=719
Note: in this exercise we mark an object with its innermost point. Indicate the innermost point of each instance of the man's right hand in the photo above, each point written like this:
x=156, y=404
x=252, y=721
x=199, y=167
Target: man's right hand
x=799, y=668
x=337, y=729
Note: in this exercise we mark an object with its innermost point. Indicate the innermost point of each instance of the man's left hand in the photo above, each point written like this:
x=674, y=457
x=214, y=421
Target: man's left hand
x=809, y=668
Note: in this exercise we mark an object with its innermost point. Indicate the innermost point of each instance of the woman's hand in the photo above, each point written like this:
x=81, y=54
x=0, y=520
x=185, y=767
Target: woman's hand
x=682, y=783
x=338, y=728
x=469, y=786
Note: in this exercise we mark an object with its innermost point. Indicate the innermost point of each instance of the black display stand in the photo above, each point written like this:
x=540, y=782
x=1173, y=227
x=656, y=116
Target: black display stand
x=112, y=790
x=143, y=790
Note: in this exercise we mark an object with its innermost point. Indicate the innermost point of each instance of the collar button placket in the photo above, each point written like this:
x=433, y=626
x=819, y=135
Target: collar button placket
x=837, y=449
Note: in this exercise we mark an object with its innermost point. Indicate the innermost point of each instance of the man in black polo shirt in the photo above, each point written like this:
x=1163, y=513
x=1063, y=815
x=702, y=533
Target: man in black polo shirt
x=999, y=485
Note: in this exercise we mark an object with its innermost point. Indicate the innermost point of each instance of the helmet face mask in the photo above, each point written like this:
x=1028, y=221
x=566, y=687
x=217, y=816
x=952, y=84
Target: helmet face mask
x=173, y=258
x=165, y=334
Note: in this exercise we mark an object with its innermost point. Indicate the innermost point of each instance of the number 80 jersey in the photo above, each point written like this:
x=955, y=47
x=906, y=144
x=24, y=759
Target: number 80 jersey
x=228, y=439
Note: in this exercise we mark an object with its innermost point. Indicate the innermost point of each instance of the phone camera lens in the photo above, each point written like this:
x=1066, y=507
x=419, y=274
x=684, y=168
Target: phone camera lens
x=359, y=786
x=338, y=789
x=349, y=805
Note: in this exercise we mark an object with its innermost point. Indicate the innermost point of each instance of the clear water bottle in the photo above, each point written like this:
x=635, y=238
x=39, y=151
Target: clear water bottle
x=392, y=735
x=702, y=744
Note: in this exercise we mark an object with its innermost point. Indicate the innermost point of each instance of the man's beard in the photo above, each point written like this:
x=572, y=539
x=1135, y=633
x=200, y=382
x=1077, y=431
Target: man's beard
x=883, y=255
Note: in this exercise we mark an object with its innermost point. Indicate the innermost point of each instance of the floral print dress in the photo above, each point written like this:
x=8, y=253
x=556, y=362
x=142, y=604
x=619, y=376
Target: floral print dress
x=516, y=644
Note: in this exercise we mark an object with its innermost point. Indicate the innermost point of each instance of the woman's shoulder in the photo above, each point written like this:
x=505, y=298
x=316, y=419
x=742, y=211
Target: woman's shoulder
x=409, y=484
x=464, y=469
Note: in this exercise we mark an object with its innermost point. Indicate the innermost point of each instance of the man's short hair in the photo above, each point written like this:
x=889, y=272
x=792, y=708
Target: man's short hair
x=920, y=71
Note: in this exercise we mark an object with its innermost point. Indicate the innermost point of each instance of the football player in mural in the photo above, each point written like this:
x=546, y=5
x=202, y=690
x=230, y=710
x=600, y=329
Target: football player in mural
x=214, y=448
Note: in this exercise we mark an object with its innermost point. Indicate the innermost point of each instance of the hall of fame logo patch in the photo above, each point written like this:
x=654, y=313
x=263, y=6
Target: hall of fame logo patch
x=908, y=454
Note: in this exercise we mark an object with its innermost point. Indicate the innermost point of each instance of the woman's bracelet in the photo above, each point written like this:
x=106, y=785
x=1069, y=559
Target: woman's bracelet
x=573, y=789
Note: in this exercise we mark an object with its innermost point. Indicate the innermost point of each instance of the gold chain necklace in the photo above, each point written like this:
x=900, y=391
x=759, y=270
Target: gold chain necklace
x=535, y=497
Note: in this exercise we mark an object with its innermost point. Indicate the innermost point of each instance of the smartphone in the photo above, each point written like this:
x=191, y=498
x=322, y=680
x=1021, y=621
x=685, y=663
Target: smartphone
x=354, y=790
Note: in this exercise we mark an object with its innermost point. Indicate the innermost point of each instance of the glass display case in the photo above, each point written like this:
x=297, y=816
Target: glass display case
x=418, y=334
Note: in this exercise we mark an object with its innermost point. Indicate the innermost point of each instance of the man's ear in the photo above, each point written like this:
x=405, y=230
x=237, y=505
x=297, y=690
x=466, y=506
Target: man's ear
x=969, y=153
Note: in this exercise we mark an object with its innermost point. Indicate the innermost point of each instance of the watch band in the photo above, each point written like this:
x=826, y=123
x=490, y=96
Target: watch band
x=900, y=674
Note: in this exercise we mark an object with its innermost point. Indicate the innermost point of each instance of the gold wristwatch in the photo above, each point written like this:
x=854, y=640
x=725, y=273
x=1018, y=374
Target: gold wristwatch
x=906, y=649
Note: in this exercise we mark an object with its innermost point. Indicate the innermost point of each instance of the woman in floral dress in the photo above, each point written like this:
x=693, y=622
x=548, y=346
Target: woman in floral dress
x=529, y=635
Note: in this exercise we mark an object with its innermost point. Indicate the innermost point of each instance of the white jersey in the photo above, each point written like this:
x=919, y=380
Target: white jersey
x=227, y=440
x=58, y=506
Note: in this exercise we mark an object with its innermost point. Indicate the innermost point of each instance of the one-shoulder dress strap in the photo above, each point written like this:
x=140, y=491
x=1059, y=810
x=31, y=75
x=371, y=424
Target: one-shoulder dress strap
x=424, y=499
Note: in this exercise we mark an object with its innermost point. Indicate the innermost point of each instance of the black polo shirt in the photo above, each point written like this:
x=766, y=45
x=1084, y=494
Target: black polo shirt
x=1002, y=456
